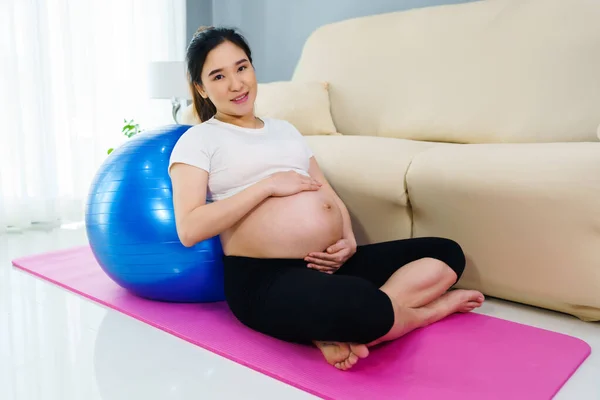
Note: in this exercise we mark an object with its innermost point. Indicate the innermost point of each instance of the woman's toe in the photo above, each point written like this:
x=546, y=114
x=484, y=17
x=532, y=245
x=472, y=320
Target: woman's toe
x=352, y=358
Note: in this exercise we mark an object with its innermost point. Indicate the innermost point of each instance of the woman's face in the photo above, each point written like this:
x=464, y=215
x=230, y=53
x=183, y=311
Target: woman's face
x=229, y=81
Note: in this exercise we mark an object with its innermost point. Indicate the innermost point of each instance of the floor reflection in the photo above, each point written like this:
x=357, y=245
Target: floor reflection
x=133, y=361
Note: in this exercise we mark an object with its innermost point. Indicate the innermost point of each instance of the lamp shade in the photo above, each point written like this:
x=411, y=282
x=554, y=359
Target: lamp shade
x=168, y=79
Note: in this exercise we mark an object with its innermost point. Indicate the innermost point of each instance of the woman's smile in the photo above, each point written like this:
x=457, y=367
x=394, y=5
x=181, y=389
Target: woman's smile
x=241, y=99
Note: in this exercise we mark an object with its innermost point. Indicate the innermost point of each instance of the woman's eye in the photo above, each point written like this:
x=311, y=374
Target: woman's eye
x=243, y=67
x=217, y=77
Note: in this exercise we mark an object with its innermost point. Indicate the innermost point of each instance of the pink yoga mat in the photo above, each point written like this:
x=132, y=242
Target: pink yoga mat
x=466, y=356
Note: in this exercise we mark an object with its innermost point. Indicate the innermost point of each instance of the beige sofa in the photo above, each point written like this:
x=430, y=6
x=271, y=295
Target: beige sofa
x=477, y=122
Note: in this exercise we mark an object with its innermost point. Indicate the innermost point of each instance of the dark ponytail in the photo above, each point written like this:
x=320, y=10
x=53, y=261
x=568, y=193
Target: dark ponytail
x=204, y=108
x=205, y=39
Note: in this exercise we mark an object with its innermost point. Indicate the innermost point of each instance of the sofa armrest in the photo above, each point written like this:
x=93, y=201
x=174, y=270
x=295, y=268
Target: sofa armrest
x=368, y=174
x=527, y=216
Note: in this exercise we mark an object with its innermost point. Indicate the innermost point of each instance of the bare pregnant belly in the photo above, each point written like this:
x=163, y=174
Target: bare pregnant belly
x=286, y=227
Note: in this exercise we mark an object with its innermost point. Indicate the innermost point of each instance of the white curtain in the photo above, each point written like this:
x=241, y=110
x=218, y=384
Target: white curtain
x=71, y=71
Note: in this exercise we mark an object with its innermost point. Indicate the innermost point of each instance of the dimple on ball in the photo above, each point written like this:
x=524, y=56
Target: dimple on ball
x=131, y=229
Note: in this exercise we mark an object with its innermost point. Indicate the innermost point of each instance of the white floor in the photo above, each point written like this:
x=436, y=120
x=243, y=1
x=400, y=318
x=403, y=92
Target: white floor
x=56, y=345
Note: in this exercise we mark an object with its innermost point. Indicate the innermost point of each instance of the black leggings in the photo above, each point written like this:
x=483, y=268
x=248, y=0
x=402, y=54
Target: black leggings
x=285, y=299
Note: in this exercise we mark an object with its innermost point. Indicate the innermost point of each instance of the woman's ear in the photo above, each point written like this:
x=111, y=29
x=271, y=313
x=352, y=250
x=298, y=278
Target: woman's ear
x=200, y=90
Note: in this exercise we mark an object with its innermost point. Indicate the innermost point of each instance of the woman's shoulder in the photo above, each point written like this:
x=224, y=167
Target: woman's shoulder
x=201, y=131
x=197, y=137
x=202, y=128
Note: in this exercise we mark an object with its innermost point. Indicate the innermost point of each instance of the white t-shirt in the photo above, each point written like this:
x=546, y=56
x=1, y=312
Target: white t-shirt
x=236, y=157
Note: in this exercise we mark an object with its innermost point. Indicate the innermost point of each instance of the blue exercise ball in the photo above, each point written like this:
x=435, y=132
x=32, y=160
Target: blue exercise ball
x=130, y=223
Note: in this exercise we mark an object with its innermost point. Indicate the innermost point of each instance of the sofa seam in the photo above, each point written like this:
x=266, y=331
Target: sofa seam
x=408, y=201
x=407, y=192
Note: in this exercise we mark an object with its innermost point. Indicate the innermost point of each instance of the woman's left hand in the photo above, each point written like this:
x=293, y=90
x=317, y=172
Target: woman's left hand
x=334, y=257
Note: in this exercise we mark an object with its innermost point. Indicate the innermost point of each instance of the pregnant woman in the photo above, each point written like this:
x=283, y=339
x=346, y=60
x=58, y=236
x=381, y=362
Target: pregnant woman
x=293, y=269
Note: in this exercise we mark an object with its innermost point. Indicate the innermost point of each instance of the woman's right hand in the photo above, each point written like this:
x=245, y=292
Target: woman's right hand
x=289, y=183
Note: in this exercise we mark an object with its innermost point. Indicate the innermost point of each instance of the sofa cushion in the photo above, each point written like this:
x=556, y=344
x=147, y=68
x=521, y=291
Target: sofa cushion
x=368, y=174
x=303, y=104
x=526, y=215
x=480, y=72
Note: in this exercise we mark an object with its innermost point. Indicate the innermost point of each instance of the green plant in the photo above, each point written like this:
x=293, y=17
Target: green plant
x=130, y=129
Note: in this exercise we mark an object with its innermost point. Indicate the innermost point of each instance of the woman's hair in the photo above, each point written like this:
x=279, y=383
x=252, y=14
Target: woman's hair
x=205, y=39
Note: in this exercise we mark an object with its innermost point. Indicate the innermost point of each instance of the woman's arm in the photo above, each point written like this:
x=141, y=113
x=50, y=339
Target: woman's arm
x=196, y=220
x=315, y=172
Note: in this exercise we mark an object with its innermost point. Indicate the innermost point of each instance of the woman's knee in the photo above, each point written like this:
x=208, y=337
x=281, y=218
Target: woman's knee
x=452, y=255
x=437, y=271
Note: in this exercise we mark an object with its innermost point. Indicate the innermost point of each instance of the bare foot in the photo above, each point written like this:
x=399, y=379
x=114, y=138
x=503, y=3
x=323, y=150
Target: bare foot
x=462, y=301
x=408, y=319
x=342, y=355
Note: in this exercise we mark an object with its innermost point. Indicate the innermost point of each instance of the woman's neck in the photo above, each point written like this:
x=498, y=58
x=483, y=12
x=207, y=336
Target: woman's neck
x=245, y=121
